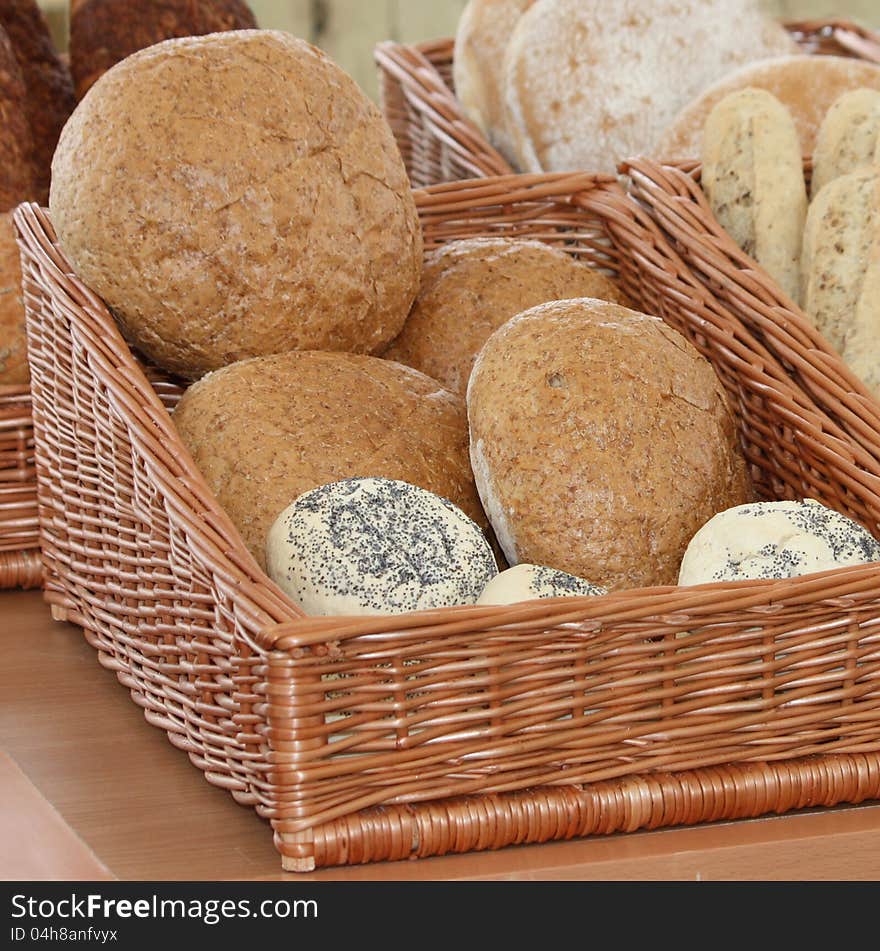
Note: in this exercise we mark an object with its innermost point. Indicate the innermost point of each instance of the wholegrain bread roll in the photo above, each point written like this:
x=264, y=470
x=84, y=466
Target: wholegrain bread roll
x=272, y=213
x=13, y=341
x=601, y=440
x=841, y=270
x=471, y=287
x=848, y=137
x=806, y=85
x=483, y=32
x=17, y=174
x=266, y=430
x=589, y=83
x=753, y=177
x=104, y=32
x=49, y=88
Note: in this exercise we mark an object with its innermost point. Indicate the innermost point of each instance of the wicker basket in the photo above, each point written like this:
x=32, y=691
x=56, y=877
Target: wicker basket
x=20, y=565
x=440, y=144
x=368, y=739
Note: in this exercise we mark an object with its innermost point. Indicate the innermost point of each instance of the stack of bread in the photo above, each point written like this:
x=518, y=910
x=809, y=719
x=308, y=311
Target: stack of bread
x=38, y=93
x=821, y=246
x=560, y=85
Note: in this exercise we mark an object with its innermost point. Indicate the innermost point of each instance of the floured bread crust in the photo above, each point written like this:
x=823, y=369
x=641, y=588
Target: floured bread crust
x=589, y=83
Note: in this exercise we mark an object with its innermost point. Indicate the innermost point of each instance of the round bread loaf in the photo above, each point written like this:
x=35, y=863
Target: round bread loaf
x=377, y=546
x=17, y=175
x=472, y=287
x=484, y=30
x=104, y=32
x=589, y=83
x=527, y=582
x=848, y=138
x=13, y=340
x=601, y=440
x=266, y=430
x=272, y=213
x=806, y=85
x=49, y=88
x=775, y=540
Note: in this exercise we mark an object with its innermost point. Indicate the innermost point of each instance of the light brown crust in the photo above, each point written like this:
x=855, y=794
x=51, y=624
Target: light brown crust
x=471, y=287
x=13, y=341
x=266, y=430
x=49, y=87
x=806, y=85
x=601, y=441
x=17, y=178
x=236, y=195
x=104, y=32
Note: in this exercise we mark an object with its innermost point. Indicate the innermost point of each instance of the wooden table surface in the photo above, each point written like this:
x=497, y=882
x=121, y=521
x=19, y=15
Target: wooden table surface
x=147, y=814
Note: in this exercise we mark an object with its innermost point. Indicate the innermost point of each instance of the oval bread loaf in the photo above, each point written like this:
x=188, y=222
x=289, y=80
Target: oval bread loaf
x=266, y=430
x=471, y=287
x=753, y=178
x=841, y=270
x=848, y=137
x=272, y=213
x=601, y=440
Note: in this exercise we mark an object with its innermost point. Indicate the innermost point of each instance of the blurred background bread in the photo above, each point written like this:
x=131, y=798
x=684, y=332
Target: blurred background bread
x=17, y=172
x=103, y=32
x=266, y=430
x=13, y=342
x=471, y=287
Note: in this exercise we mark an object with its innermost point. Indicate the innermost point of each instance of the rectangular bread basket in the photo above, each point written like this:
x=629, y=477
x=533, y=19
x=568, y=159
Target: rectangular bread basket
x=473, y=728
x=440, y=144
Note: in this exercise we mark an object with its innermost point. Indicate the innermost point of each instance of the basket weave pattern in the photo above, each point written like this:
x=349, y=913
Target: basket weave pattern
x=368, y=739
x=19, y=528
x=440, y=144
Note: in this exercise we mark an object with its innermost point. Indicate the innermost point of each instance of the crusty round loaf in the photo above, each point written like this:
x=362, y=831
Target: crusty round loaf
x=49, y=88
x=266, y=430
x=104, y=32
x=13, y=341
x=484, y=30
x=17, y=176
x=601, y=441
x=272, y=213
x=806, y=85
x=471, y=287
x=589, y=83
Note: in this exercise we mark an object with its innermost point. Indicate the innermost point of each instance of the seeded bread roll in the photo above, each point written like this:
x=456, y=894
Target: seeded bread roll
x=601, y=441
x=840, y=270
x=484, y=30
x=848, y=137
x=377, y=546
x=104, y=32
x=266, y=430
x=529, y=582
x=17, y=175
x=753, y=177
x=49, y=87
x=588, y=83
x=806, y=85
x=775, y=540
x=471, y=287
x=13, y=341
x=272, y=213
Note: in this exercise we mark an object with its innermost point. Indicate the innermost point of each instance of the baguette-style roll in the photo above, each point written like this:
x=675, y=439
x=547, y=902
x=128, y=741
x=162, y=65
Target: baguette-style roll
x=848, y=137
x=841, y=270
x=754, y=181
